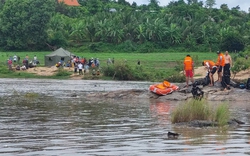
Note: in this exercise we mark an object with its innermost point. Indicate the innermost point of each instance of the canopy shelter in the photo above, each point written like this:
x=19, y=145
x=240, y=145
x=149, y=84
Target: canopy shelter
x=69, y=2
x=59, y=55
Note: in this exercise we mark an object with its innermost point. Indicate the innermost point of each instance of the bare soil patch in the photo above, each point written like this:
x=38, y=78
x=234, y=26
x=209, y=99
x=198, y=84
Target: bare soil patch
x=50, y=71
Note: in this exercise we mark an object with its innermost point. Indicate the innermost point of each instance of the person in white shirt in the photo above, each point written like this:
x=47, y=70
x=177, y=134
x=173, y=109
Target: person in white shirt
x=35, y=59
x=14, y=58
x=80, y=68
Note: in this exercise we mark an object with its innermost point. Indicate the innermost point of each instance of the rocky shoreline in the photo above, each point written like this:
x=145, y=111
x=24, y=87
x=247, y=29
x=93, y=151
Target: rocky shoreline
x=97, y=90
x=210, y=93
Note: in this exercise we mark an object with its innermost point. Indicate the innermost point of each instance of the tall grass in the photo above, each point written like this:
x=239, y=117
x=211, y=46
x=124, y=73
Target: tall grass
x=222, y=114
x=200, y=110
x=192, y=110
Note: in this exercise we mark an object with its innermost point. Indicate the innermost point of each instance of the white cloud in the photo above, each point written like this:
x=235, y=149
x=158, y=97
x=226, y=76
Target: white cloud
x=244, y=4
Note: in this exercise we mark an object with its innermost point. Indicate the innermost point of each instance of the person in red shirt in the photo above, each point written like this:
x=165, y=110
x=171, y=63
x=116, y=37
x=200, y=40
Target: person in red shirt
x=188, y=69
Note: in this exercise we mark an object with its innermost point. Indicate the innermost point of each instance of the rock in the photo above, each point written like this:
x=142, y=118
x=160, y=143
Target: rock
x=172, y=135
x=73, y=95
x=197, y=123
x=238, y=121
x=204, y=123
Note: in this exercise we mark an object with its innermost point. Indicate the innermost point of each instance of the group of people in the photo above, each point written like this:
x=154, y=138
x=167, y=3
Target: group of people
x=25, y=63
x=222, y=67
x=81, y=65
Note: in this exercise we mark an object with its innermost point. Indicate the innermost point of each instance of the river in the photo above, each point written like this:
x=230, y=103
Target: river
x=52, y=123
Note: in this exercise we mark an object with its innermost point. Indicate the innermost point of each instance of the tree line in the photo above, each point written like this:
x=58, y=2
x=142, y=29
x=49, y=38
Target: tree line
x=100, y=25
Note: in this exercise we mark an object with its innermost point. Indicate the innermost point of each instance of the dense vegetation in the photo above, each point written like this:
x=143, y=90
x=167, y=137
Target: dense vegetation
x=117, y=26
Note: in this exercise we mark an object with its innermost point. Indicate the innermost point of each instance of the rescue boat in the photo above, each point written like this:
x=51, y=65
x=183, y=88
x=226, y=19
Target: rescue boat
x=163, y=88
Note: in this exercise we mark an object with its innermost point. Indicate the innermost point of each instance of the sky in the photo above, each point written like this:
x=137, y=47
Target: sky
x=244, y=4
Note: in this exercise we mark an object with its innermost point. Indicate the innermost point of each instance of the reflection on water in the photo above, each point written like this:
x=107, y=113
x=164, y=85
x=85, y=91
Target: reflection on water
x=49, y=126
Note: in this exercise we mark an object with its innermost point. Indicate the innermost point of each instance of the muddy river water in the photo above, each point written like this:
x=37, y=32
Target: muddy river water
x=39, y=117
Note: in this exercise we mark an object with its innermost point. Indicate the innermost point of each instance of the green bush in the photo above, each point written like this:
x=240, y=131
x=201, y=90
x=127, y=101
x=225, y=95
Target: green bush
x=122, y=71
x=62, y=73
x=179, y=66
x=239, y=65
x=176, y=77
x=4, y=69
x=127, y=46
x=118, y=71
x=109, y=71
x=147, y=47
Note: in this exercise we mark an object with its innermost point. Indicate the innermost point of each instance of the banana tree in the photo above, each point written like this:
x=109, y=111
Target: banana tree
x=174, y=34
x=156, y=30
x=77, y=34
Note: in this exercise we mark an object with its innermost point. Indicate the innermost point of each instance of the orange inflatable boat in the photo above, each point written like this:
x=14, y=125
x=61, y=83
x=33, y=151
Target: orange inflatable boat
x=163, y=88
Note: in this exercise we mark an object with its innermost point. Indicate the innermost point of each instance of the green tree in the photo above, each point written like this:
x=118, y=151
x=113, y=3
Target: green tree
x=58, y=32
x=224, y=7
x=233, y=42
x=25, y=23
x=210, y=3
x=154, y=5
x=94, y=6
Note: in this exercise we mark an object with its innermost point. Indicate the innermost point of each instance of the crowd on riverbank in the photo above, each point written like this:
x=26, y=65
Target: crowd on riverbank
x=15, y=64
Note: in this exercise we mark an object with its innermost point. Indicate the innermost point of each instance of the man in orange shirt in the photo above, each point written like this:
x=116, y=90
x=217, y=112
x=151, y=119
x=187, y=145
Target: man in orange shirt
x=211, y=68
x=220, y=64
x=188, y=69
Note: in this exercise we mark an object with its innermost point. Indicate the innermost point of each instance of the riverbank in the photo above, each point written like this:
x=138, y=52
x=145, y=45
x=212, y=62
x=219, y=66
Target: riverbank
x=200, y=72
x=100, y=90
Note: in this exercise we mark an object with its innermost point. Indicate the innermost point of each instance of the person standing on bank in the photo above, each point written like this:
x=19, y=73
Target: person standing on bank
x=80, y=68
x=228, y=63
x=211, y=68
x=220, y=64
x=188, y=69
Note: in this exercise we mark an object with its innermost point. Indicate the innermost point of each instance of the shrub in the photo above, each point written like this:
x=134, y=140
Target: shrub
x=94, y=47
x=176, y=77
x=61, y=72
x=147, y=47
x=122, y=71
x=4, y=69
x=127, y=46
x=179, y=66
x=119, y=71
x=239, y=65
